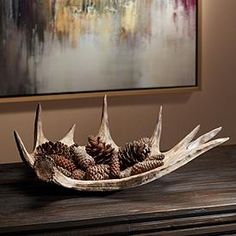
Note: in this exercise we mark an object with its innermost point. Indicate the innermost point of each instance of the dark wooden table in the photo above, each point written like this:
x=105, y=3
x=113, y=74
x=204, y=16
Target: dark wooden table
x=197, y=199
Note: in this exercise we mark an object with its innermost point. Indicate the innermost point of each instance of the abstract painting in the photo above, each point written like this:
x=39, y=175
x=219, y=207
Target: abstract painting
x=82, y=46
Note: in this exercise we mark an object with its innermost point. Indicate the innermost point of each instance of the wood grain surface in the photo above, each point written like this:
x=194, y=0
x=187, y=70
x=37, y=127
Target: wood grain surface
x=197, y=199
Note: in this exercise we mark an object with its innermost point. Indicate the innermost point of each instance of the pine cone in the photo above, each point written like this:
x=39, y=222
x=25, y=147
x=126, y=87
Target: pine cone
x=50, y=148
x=115, y=167
x=78, y=174
x=72, y=151
x=64, y=171
x=98, y=172
x=85, y=162
x=45, y=148
x=61, y=149
x=100, y=151
x=125, y=173
x=145, y=141
x=133, y=152
x=144, y=166
x=63, y=162
x=82, y=159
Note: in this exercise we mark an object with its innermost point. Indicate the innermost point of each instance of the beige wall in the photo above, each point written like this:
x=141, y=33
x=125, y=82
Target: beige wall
x=135, y=116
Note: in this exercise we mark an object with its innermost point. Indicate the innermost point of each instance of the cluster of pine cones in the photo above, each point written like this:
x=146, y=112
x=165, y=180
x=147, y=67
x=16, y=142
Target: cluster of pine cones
x=99, y=161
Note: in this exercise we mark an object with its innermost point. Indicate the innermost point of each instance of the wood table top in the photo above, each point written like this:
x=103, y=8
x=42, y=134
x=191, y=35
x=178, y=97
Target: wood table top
x=201, y=193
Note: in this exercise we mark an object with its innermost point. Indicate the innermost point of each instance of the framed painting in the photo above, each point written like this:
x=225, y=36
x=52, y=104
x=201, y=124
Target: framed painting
x=53, y=49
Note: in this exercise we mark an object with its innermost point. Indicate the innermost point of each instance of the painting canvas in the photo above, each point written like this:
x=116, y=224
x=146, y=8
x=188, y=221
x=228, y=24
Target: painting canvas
x=81, y=46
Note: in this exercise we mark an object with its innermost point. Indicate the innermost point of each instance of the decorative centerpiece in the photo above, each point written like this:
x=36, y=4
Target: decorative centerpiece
x=101, y=165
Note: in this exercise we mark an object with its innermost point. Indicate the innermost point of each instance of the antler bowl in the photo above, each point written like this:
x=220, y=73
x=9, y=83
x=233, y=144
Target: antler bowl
x=101, y=165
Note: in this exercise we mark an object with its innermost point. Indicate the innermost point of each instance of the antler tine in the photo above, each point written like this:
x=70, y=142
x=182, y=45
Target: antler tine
x=69, y=137
x=184, y=142
x=156, y=137
x=190, y=154
x=25, y=156
x=104, y=131
x=204, y=138
x=104, y=126
x=104, y=109
x=39, y=137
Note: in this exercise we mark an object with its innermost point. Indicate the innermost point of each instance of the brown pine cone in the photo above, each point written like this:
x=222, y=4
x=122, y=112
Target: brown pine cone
x=100, y=151
x=133, y=152
x=64, y=162
x=61, y=149
x=50, y=148
x=115, y=167
x=144, y=166
x=64, y=171
x=78, y=174
x=98, y=172
x=45, y=148
x=82, y=159
x=85, y=162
